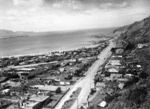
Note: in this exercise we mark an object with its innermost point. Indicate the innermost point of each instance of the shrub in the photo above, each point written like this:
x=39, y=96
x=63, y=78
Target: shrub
x=58, y=90
x=137, y=95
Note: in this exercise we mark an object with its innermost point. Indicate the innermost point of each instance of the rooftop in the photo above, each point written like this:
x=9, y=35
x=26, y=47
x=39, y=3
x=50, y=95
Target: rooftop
x=30, y=103
x=38, y=98
x=26, y=69
x=50, y=87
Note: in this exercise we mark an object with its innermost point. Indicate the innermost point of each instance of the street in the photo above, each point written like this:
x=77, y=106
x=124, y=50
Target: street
x=88, y=81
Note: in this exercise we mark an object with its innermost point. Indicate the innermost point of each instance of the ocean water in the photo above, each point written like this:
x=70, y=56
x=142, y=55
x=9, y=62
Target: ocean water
x=47, y=42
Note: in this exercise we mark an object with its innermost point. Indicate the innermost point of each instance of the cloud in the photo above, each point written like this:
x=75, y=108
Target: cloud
x=46, y=15
x=87, y=4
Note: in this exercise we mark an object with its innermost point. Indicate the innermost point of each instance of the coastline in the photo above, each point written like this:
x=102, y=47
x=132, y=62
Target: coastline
x=93, y=44
x=44, y=45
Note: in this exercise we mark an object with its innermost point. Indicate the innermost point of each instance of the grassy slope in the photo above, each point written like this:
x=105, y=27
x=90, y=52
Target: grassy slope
x=138, y=95
x=139, y=32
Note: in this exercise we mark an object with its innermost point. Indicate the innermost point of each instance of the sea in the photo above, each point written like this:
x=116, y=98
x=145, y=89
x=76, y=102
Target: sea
x=46, y=42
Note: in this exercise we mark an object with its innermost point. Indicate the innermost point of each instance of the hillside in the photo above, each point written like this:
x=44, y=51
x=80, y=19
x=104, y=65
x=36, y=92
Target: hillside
x=138, y=32
x=137, y=96
x=121, y=30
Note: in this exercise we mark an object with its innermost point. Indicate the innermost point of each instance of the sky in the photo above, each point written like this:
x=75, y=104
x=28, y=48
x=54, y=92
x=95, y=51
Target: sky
x=54, y=15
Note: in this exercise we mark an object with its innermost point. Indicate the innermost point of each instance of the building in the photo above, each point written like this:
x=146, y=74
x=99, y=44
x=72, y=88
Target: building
x=30, y=105
x=142, y=45
x=100, y=84
x=115, y=76
x=25, y=69
x=113, y=70
x=23, y=75
x=50, y=87
x=121, y=85
x=39, y=101
x=119, y=51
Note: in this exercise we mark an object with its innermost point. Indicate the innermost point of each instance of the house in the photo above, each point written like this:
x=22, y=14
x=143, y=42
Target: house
x=103, y=104
x=121, y=85
x=5, y=91
x=111, y=66
x=30, y=105
x=62, y=83
x=25, y=69
x=100, y=84
x=114, y=61
x=138, y=66
x=113, y=70
x=117, y=56
x=23, y=75
x=106, y=79
x=123, y=80
x=40, y=100
x=10, y=83
x=61, y=69
x=119, y=51
x=115, y=76
x=142, y=45
x=50, y=87
x=111, y=86
x=128, y=75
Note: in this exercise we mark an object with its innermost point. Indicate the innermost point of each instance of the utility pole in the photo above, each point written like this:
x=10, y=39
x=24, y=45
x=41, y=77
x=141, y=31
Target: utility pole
x=77, y=103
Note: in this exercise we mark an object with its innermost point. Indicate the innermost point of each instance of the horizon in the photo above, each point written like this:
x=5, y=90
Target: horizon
x=69, y=30
x=65, y=15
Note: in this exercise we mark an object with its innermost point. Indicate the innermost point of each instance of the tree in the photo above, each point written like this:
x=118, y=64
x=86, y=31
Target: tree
x=137, y=95
x=58, y=90
x=113, y=50
x=143, y=75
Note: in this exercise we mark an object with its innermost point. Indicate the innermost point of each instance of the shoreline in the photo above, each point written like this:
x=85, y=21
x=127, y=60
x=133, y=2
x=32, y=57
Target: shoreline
x=49, y=53
x=92, y=43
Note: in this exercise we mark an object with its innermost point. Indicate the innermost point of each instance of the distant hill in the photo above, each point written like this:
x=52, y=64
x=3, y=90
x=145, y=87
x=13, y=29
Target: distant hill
x=4, y=33
x=11, y=34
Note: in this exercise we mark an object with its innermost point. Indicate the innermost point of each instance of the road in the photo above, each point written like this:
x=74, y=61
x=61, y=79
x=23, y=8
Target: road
x=86, y=82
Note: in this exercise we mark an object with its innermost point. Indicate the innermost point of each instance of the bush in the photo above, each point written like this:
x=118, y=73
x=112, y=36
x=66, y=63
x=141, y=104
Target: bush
x=130, y=46
x=137, y=95
x=58, y=90
x=143, y=75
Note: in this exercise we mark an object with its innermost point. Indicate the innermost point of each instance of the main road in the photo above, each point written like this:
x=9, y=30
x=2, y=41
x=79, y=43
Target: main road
x=88, y=81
